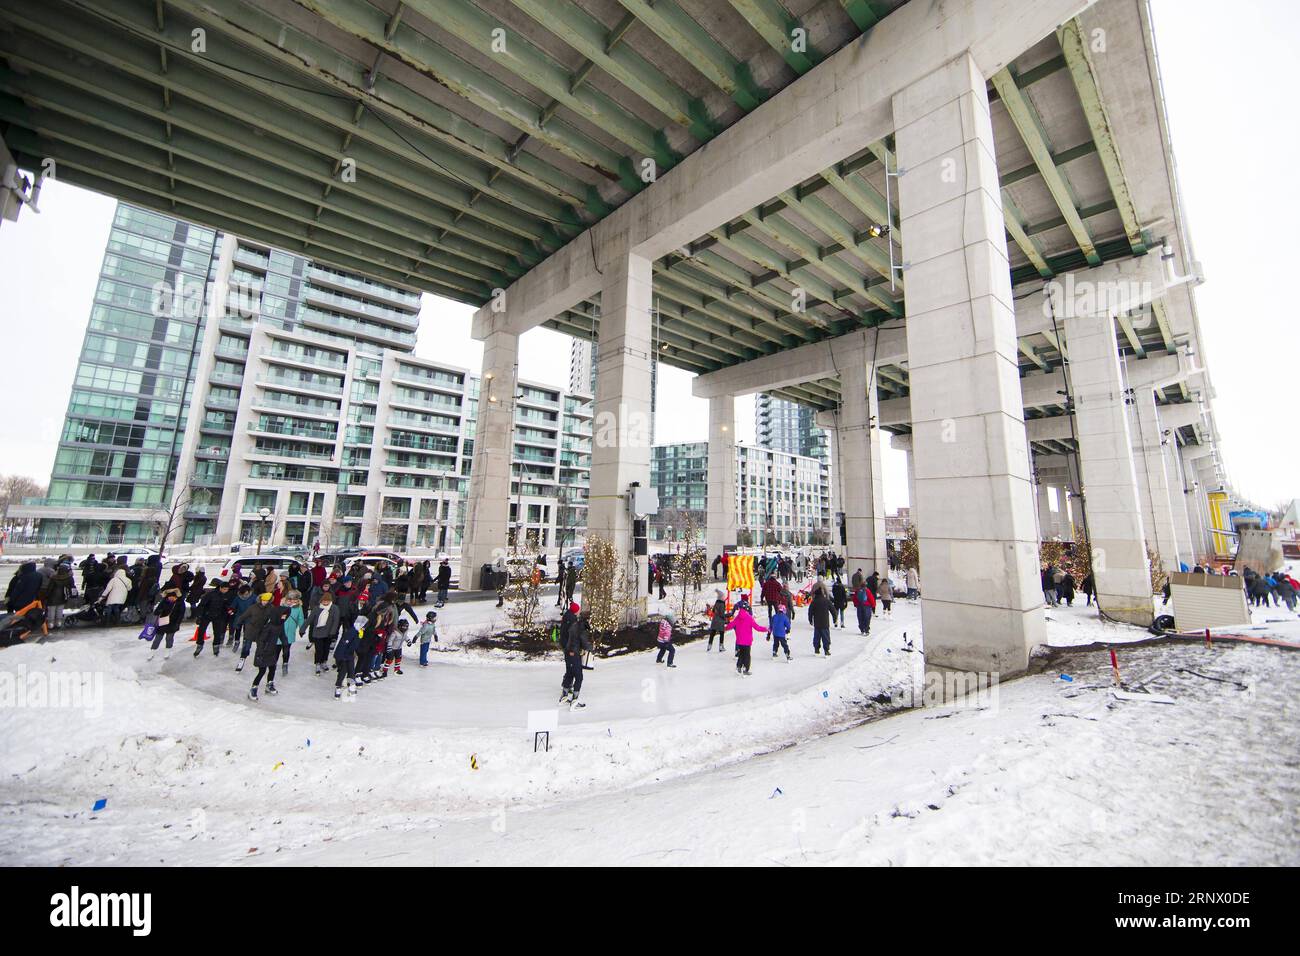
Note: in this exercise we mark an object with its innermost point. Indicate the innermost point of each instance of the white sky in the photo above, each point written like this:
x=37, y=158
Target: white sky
x=1227, y=79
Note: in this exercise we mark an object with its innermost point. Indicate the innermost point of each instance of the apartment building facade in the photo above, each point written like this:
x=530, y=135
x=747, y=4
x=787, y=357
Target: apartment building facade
x=302, y=416
x=781, y=498
x=787, y=426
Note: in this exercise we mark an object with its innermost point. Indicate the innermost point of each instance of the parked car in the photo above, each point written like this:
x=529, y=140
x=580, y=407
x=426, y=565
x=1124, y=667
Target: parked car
x=246, y=563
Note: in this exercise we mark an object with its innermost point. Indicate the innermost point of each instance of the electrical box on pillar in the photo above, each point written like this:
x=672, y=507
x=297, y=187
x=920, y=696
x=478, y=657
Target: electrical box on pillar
x=642, y=503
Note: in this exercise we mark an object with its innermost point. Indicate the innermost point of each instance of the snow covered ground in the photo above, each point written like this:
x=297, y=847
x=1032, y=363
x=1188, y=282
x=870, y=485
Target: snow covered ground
x=689, y=766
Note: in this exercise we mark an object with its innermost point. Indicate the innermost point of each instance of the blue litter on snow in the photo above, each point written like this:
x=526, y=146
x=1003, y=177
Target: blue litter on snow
x=100, y=804
x=826, y=694
x=1067, y=677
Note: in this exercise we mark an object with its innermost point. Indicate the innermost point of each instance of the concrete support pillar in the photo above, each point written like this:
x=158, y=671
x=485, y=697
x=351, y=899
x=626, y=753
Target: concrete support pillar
x=859, y=479
x=1178, y=500
x=1110, y=488
x=1153, y=482
x=620, y=453
x=911, y=484
x=488, y=506
x=981, y=601
x=1066, y=522
x=720, y=530
x=1196, y=501
x=1046, y=528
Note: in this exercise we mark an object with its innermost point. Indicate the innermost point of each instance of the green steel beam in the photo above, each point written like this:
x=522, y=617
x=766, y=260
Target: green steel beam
x=209, y=192
x=1084, y=74
x=162, y=202
x=87, y=140
x=69, y=113
x=1029, y=245
x=256, y=107
x=675, y=27
x=530, y=63
x=825, y=218
x=1134, y=341
x=274, y=75
x=1028, y=352
x=862, y=13
x=474, y=240
x=280, y=41
x=479, y=87
x=1030, y=127
x=602, y=48
x=775, y=25
x=783, y=231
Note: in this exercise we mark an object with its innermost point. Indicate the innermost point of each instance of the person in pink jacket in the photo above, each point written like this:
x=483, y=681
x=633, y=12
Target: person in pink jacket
x=743, y=623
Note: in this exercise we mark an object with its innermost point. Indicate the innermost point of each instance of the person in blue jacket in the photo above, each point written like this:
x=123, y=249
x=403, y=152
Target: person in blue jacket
x=780, y=627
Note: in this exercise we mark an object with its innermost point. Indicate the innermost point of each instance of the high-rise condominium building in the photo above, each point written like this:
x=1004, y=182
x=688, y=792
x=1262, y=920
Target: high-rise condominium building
x=787, y=426
x=780, y=498
x=289, y=407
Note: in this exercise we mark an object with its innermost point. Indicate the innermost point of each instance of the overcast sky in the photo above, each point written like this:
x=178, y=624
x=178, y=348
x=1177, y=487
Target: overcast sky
x=1228, y=80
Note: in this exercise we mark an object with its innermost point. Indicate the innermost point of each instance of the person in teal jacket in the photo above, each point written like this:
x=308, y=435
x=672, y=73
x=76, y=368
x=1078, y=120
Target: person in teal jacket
x=293, y=623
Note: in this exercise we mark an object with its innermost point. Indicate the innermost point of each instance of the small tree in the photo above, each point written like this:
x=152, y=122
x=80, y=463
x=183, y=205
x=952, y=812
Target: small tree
x=910, y=553
x=1158, y=575
x=168, y=520
x=523, y=584
x=688, y=570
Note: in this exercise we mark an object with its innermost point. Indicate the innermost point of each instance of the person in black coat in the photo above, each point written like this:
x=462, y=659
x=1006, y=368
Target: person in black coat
x=575, y=644
x=444, y=581
x=214, y=606
x=24, y=587
x=839, y=602
x=345, y=661
x=270, y=638
x=170, y=611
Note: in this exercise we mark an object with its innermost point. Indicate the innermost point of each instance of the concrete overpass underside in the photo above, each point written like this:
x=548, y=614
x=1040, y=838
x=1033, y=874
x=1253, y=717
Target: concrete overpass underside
x=867, y=206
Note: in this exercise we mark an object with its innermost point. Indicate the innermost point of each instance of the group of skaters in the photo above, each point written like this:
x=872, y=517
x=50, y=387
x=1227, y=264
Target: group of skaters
x=827, y=607
x=351, y=615
x=1279, y=587
x=1060, y=587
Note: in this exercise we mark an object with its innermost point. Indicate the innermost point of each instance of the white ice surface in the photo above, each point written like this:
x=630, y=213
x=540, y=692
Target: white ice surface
x=664, y=767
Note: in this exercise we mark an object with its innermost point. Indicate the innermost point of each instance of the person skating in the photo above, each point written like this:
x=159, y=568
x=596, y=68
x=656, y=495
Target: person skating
x=665, y=639
x=718, y=623
x=294, y=623
x=444, y=581
x=819, y=616
x=322, y=627
x=213, y=607
x=169, y=611
x=771, y=592
x=570, y=582
x=839, y=602
x=577, y=641
x=345, y=661
x=427, y=633
x=270, y=639
x=393, y=648
x=780, y=629
x=864, y=600
x=743, y=623
x=249, y=626
x=242, y=600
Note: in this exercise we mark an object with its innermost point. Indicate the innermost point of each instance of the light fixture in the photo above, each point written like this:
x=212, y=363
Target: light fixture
x=875, y=231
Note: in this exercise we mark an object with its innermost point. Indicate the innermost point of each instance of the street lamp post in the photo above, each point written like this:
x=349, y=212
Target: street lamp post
x=262, y=515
